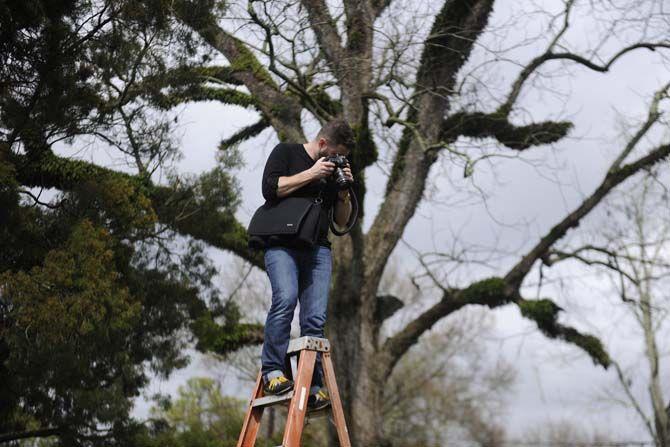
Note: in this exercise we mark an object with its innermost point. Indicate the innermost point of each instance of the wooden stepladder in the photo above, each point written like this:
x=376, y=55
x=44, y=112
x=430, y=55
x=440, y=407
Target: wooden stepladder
x=306, y=349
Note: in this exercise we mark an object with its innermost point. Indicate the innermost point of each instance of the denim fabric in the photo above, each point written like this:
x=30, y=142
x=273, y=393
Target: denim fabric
x=295, y=275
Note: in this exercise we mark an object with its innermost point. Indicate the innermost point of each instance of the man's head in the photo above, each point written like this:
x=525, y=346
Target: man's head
x=335, y=137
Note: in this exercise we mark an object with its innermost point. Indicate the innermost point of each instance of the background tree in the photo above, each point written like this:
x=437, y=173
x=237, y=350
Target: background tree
x=201, y=416
x=308, y=60
x=566, y=433
x=633, y=256
x=95, y=294
x=448, y=389
x=399, y=75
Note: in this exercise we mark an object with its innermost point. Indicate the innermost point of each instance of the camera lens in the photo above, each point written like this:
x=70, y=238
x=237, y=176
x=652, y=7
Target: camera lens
x=341, y=179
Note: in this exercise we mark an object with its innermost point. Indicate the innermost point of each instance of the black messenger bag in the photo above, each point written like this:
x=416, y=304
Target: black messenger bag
x=294, y=219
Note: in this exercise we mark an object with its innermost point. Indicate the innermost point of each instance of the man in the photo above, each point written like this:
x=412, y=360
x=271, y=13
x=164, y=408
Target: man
x=302, y=273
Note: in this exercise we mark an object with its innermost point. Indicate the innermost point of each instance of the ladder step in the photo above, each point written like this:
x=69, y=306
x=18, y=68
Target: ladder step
x=298, y=415
x=311, y=343
x=268, y=401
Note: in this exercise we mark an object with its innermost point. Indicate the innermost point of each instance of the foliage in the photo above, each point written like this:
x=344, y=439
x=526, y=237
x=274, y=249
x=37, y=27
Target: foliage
x=201, y=416
x=95, y=293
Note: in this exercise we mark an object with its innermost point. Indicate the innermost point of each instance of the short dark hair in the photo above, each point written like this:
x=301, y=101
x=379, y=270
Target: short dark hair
x=338, y=132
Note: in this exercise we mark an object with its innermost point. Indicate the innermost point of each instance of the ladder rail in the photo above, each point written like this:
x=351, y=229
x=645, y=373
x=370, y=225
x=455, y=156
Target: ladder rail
x=252, y=420
x=306, y=349
x=335, y=402
x=298, y=407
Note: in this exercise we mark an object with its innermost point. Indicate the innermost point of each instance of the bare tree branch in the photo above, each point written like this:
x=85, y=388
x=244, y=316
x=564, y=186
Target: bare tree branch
x=491, y=292
x=379, y=6
x=495, y=125
x=326, y=33
x=549, y=55
x=244, y=134
x=611, y=180
x=506, y=289
x=625, y=383
x=446, y=49
x=652, y=117
x=282, y=110
x=294, y=85
x=616, y=175
x=387, y=305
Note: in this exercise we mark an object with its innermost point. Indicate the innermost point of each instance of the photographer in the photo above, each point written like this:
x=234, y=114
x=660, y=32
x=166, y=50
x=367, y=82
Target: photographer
x=298, y=272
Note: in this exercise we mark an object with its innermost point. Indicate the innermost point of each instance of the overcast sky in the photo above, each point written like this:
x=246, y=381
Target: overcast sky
x=554, y=379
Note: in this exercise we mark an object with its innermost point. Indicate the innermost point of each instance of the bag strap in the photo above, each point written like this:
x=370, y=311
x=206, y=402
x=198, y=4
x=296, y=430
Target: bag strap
x=319, y=198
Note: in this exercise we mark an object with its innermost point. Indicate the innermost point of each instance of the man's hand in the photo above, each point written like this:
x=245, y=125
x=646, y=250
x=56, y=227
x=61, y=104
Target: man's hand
x=322, y=169
x=344, y=193
x=286, y=185
x=347, y=173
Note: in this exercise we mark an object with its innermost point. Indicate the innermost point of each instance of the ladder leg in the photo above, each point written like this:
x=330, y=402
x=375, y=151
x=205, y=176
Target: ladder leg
x=252, y=421
x=288, y=367
x=298, y=406
x=336, y=403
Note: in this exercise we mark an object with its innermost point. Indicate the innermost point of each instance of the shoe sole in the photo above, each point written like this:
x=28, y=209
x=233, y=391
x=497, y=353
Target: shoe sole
x=318, y=408
x=268, y=392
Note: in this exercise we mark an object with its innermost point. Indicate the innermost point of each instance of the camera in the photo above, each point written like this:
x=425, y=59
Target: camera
x=340, y=162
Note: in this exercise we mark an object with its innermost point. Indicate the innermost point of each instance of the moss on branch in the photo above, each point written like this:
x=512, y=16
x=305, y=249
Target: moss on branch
x=545, y=313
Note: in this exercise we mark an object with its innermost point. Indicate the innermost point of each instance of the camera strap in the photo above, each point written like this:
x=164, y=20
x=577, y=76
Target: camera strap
x=352, y=218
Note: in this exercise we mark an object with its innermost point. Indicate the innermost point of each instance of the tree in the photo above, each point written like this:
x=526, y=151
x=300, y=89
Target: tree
x=446, y=390
x=633, y=255
x=291, y=59
x=565, y=433
x=93, y=293
x=200, y=416
x=311, y=58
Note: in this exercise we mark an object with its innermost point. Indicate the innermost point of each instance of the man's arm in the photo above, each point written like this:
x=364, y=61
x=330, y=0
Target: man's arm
x=342, y=208
x=287, y=185
x=321, y=169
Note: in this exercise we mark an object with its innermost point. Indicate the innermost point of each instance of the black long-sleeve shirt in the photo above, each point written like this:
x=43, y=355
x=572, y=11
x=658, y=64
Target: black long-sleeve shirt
x=285, y=160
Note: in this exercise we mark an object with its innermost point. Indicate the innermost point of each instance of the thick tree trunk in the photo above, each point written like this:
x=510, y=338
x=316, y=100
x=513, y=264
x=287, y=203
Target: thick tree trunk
x=354, y=333
x=358, y=375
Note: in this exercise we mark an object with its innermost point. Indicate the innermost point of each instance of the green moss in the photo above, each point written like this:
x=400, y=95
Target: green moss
x=489, y=292
x=355, y=39
x=235, y=235
x=543, y=311
x=592, y=345
x=399, y=162
x=199, y=93
x=281, y=135
x=244, y=134
x=497, y=125
x=223, y=339
x=246, y=61
x=365, y=153
x=324, y=100
x=283, y=110
x=224, y=74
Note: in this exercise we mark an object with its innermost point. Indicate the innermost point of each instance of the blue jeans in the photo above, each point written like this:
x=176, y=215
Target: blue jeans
x=295, y=274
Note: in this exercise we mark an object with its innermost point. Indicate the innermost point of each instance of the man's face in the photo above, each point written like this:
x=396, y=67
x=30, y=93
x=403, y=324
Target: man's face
x=326, y=149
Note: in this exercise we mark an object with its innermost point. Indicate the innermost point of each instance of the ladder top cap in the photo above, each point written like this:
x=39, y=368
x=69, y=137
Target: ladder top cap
x=308, y=343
